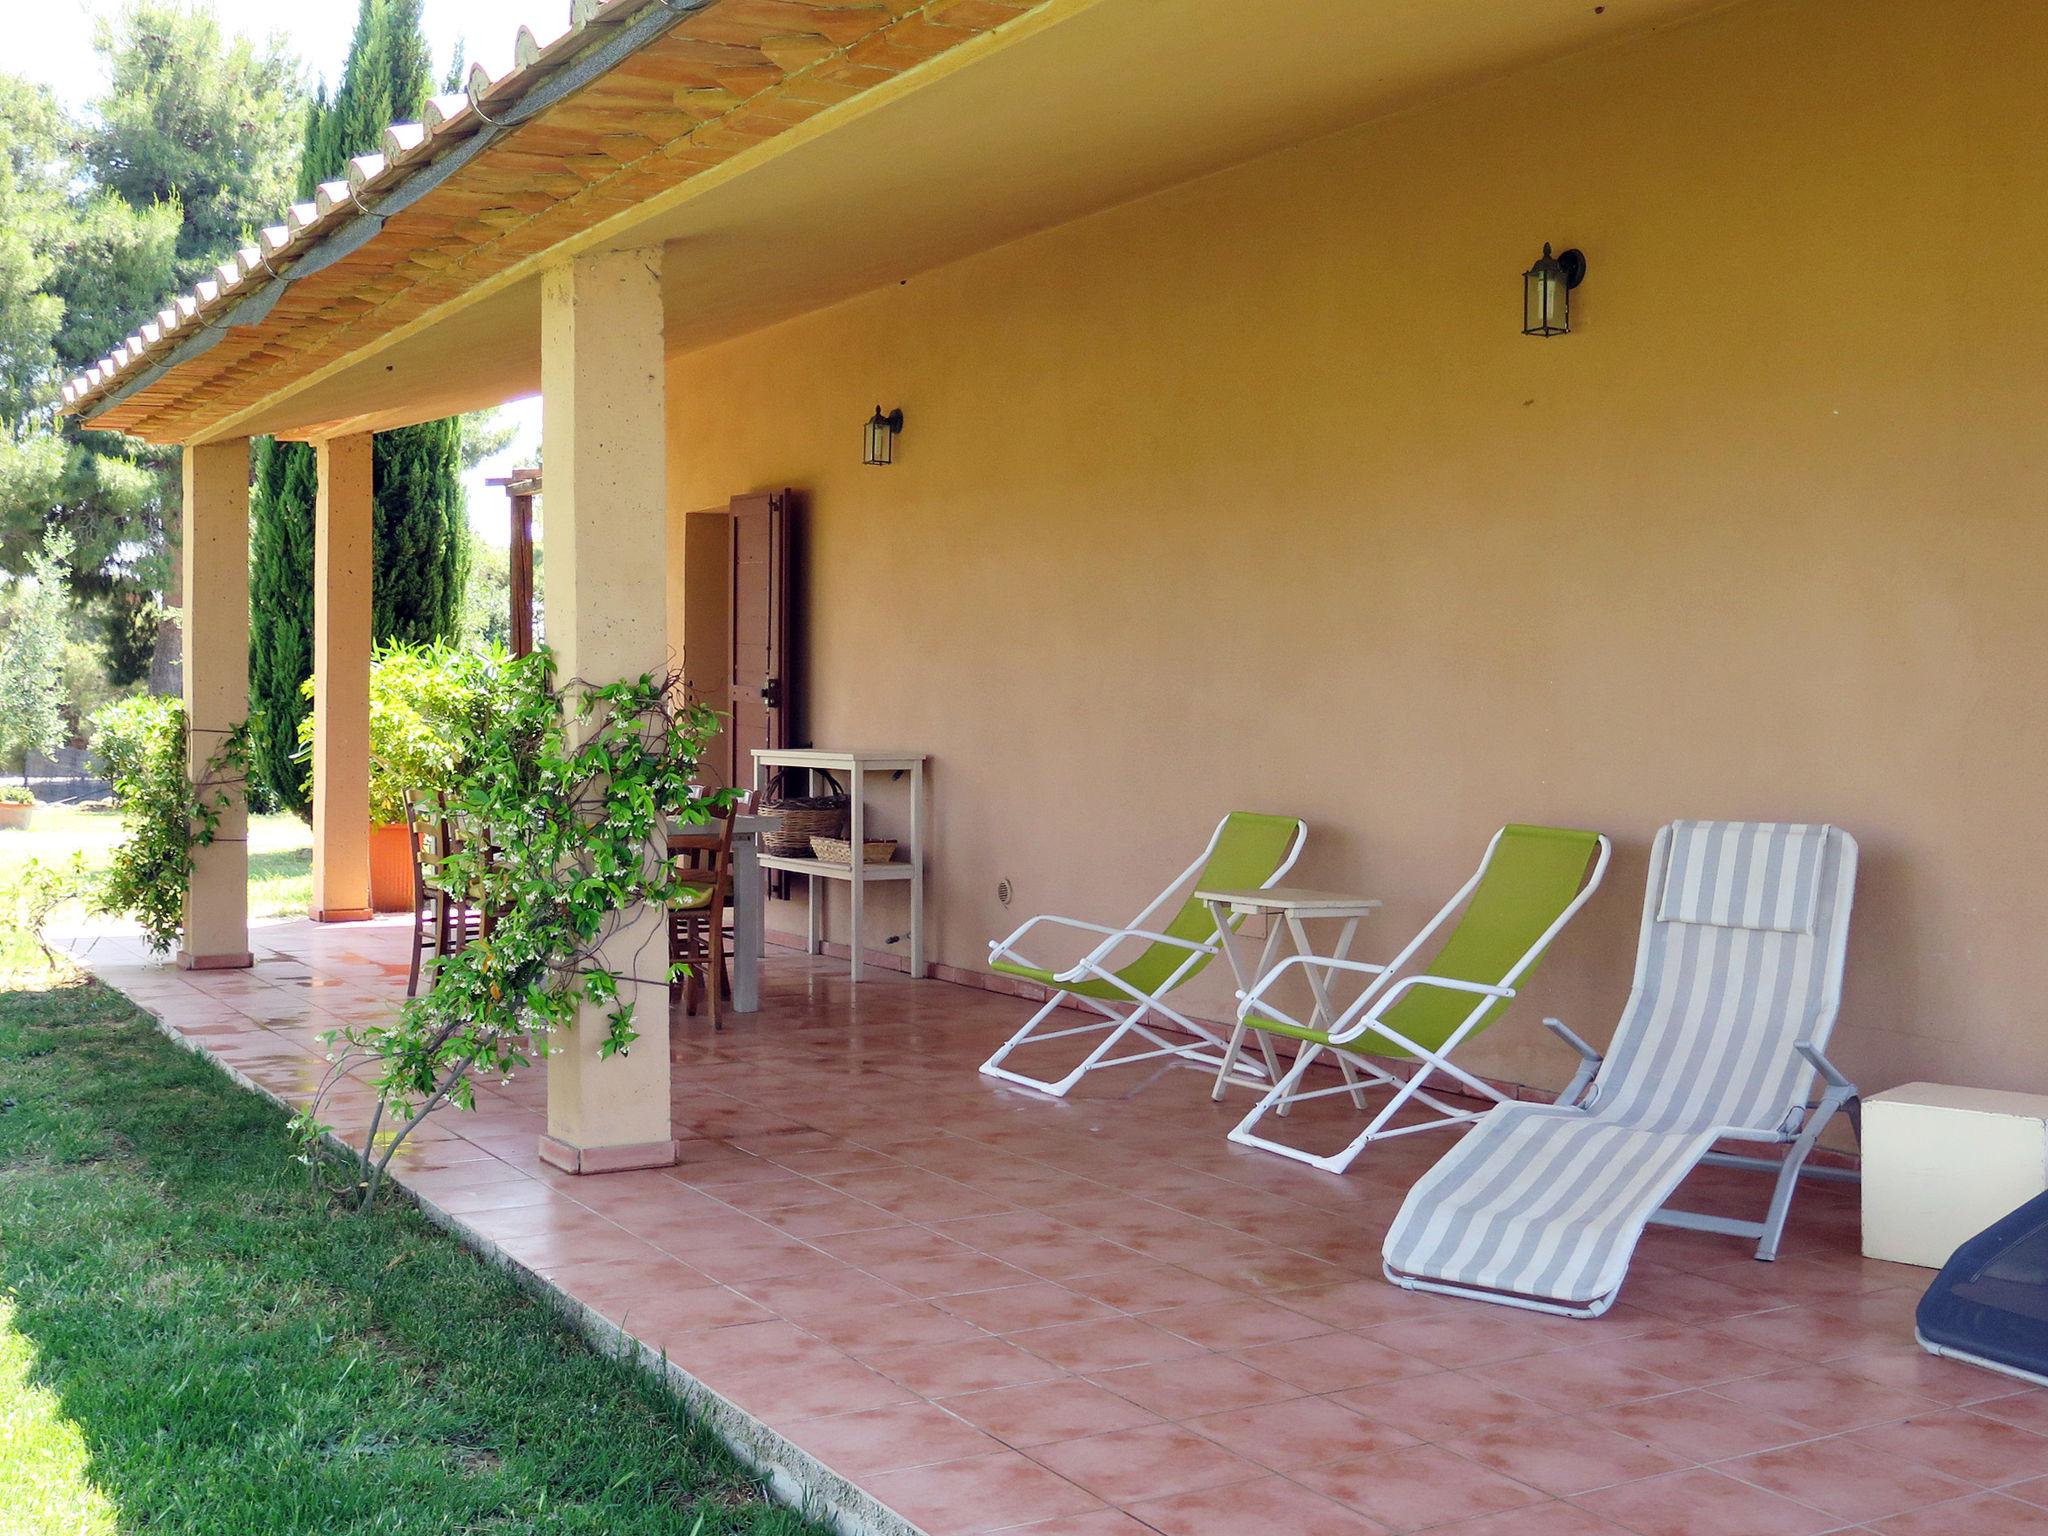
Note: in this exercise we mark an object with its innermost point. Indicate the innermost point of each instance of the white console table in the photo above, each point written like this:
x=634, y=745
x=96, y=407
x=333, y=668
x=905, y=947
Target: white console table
x=907, y=867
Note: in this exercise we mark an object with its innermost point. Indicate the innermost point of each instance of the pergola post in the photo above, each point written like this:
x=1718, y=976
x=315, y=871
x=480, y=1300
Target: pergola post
x=603, y=434
x=341, y=680
x=216, y=616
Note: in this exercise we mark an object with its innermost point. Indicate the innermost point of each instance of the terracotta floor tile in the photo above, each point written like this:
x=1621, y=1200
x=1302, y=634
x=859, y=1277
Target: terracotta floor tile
x=1847, y=1480
x=951, y=1369
x=785, y=1394
x=1556, y=1518
x=1126, y=1465
x=1421, y=1486
x=1299, y=1432
x=1044, y=1412
x=1566, y=1456
x=964, y=1498
x=860, y=1444
x=1444, y=1405
x=1106, y=1346
x=1702, y=1502
x=1334, y=1362
x=844, y=1164
x=1150, y=1289
x=1271, y=1504
x=1238, y=1323
x=1184, y=1389
x=2027, y=1408
x=1692, y=1357
x=746, y=1349
x=1101, y=1522
x=1826, y=1400
x=1015, y=1308
x=900, y=1325
x=1575, y=1381
x=1981, y=1514
x=1963, y=1445
x=1699, y=1425
x=1908, y=1368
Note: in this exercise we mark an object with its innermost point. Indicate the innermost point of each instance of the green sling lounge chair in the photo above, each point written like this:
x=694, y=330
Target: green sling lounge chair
x=1530, y=884
x=1245, y=852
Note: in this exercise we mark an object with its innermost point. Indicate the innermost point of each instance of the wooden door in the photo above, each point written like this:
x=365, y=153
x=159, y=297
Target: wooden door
x=764, y=685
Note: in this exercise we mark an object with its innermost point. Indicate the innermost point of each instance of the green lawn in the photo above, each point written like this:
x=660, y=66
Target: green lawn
x=280, y=866
x=191, y=1342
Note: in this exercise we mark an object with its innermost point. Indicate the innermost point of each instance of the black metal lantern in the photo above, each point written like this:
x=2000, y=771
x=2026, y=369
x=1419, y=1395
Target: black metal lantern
x=882, y=430
x=1547, y=292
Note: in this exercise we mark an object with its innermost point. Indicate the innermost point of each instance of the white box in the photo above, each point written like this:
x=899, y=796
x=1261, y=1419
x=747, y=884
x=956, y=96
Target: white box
x=1941, y=1164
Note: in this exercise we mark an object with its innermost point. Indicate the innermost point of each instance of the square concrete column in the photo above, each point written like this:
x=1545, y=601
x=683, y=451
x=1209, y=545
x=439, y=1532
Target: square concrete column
x=341, y=680
x=216, y=559
x=603, y=436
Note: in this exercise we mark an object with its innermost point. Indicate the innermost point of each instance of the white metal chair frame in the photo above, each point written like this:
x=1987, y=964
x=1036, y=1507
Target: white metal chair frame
x=1366, y=1016
x=1207, y=1050
x=1798, y=1133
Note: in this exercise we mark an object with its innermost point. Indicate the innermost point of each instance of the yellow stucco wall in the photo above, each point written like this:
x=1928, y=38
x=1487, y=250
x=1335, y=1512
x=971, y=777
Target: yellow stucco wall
x=1251, y=495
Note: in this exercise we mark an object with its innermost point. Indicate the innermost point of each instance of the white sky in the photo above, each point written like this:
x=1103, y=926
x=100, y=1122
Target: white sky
x=51, y=42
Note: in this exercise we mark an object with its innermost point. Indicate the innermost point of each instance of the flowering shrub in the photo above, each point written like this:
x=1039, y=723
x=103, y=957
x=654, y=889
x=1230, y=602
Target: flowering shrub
x=564, y=801
x=165, y=815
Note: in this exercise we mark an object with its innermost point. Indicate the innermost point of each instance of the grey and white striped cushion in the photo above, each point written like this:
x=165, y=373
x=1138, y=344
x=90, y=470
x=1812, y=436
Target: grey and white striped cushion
x=1739, y=961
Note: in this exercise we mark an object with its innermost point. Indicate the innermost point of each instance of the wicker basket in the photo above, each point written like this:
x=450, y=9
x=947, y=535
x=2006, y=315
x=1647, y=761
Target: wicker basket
x=799, y=818
x=796, y=824
x=837, y=850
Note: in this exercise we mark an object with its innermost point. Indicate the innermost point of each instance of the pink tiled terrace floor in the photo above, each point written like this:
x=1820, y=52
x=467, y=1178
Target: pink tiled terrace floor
x=996, y=1312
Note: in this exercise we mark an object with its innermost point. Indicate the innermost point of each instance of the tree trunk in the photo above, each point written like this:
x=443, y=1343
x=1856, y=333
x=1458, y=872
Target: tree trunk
x=167, y=661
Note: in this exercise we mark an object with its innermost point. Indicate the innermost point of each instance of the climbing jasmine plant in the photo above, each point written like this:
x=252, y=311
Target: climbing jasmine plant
x=167, y=814
x=561, y=813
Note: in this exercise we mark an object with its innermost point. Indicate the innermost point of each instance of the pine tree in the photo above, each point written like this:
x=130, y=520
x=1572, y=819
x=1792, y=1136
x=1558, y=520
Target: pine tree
x=420, y=532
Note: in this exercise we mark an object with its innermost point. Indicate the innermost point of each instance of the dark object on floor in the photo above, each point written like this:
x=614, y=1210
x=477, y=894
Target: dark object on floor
x=1989, y=1304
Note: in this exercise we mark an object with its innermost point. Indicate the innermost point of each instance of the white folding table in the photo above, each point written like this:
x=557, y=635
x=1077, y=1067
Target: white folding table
x=1286, y=909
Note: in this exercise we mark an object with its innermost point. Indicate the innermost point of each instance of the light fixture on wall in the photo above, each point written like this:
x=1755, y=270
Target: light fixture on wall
x=1547, y=292
x=881, y=437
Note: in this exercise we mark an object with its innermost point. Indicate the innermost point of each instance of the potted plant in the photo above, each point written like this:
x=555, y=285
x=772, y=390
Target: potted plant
x=17, y=806
x=419, y=694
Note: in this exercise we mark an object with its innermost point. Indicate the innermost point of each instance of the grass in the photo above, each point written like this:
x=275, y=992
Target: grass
x=192, y=1342
x=280, y=867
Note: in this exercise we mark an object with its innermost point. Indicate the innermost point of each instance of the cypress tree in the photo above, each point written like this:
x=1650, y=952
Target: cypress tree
x=420, y=533
x=280, y=614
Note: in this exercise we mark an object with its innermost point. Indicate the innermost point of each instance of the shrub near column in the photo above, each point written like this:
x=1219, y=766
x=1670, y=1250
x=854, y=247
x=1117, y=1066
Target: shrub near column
x=421, y=699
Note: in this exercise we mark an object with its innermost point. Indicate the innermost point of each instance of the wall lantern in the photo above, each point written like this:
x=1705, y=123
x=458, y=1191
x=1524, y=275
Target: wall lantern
x=1546, y=292
x=881, y=442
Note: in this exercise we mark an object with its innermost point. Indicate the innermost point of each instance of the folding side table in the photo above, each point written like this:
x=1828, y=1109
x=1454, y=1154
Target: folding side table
x=1287, y=909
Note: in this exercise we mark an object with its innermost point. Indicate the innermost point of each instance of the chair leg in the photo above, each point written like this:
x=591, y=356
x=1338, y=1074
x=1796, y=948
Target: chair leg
x=419, y=939
x=1795, y=1162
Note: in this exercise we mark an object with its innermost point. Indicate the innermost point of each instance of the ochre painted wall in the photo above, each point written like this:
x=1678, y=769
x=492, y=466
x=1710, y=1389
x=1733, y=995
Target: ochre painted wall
x=1251, y=495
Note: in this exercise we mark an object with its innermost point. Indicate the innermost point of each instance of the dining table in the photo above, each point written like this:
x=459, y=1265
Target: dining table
x=748, y=903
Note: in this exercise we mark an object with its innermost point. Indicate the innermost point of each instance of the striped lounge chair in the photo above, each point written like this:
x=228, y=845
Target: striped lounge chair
x=1738, y=980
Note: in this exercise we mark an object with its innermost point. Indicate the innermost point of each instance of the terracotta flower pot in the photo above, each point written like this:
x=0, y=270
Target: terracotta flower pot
x=16, y=817
x=390, y=870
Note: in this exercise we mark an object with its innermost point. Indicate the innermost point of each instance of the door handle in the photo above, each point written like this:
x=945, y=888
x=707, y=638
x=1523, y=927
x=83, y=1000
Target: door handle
x=771, y=693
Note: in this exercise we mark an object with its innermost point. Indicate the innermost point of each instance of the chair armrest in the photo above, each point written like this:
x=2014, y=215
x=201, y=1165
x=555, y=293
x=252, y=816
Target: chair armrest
x=1113, y=937
x=1257, y=995
x=1559, y=1028
x=1832, y=1075
x=1589, y=1064
x=1345, y=1033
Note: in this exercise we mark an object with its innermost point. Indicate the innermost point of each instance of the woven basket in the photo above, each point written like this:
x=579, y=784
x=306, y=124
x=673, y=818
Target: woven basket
x=796, y=824
x=837, y=850
x=799, y=818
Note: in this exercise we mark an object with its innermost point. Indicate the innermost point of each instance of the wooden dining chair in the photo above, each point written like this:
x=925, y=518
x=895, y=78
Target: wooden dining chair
x=697, y=929
x=442, y=920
